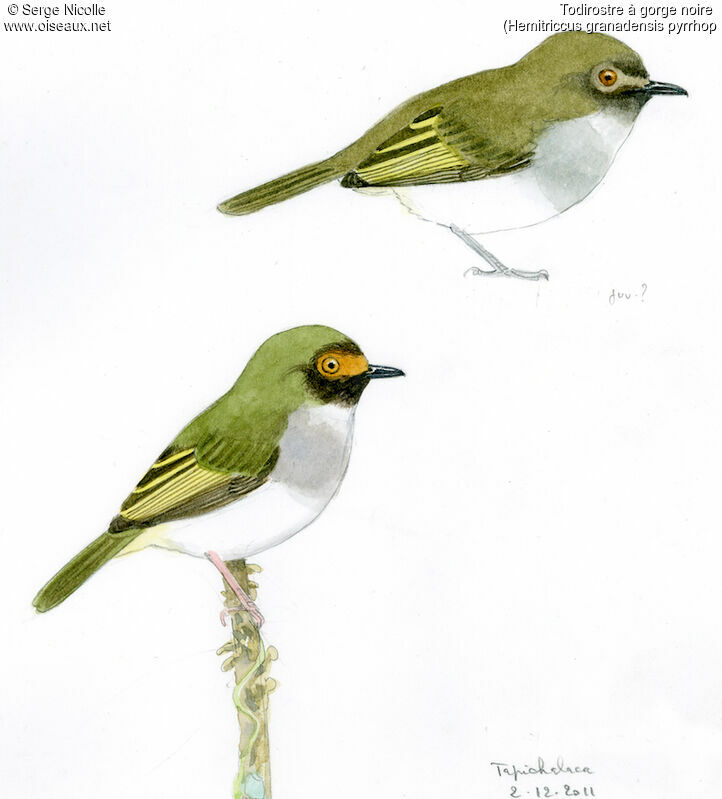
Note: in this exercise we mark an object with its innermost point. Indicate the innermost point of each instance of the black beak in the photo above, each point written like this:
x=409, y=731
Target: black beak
x=655, y=87
x=383, y=371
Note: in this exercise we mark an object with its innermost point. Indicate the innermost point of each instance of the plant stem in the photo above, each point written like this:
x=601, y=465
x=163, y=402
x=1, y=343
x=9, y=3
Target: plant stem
x=251, y=662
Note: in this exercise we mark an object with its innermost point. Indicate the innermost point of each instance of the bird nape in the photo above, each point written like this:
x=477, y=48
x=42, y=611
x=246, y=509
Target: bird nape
x=497, y=150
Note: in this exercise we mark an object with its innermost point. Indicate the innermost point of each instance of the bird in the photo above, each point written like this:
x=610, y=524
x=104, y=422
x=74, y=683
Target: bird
x=497, y=150
x=252, y=470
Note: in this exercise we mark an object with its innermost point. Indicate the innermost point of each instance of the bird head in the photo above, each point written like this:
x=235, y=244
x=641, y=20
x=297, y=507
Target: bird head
x=309, y=365
x=592, y=69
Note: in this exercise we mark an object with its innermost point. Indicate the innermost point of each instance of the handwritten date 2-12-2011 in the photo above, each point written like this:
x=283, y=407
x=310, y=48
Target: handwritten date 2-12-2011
x=545, y=791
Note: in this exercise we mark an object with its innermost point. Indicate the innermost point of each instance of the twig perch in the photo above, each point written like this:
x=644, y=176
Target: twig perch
x=251, y=664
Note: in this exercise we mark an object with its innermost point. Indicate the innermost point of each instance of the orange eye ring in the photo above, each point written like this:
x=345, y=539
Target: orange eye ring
x=607, y=77
x=340, y=365
x=329, y=365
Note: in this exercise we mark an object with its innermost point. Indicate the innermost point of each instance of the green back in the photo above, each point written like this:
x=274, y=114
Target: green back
x=507, y=109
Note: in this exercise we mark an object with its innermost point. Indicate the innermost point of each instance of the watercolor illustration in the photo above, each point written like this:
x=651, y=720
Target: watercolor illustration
x=497, y=150
x=252, y=470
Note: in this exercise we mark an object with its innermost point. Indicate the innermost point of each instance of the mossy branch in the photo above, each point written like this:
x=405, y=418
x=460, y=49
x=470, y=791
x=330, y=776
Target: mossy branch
x=251, y=662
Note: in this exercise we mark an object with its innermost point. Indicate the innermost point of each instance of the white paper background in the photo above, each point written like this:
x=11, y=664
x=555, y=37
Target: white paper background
x=523, y=560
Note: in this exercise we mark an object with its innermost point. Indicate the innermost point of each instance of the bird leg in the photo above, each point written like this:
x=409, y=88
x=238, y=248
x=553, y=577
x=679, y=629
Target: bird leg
x=498, y=269
x=247, y=603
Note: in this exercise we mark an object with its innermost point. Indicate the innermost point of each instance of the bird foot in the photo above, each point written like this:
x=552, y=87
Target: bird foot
x=542, y=274
x=498, y=269
x=246, y=603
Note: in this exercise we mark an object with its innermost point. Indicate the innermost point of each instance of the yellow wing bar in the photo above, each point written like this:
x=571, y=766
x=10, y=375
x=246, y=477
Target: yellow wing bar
x=417, y=151
x=170, y=482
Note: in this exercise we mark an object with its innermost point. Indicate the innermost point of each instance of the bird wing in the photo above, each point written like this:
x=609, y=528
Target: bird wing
x=178, y=485
x=441, y=145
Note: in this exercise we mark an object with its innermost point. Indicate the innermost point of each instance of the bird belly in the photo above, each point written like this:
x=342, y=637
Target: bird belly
x=313, y=458
x=480, y=206
x=259, y=521
x=571, y=158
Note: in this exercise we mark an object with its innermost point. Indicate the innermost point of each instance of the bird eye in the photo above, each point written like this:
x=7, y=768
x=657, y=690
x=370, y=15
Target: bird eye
x=330, y=365
x=607, y=77
x=340, y=365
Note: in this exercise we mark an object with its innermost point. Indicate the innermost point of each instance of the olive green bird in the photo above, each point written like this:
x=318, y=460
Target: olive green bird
x=497, y=150
x=253, y=469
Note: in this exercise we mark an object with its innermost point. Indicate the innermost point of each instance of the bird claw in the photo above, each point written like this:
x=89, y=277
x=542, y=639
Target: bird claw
x=477, y=270
x=253, y=612
x=542, y=274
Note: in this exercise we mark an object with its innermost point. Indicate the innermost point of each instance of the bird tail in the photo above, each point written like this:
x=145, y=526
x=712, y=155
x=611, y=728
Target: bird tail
x=283, y=188
x=77, y=571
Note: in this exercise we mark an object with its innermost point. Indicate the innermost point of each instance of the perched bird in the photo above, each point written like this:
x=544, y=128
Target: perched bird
x=253, y=469
x=500, y=149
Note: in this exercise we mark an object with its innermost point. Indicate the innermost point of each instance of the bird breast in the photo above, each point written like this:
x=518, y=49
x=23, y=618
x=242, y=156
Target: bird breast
x=572, y=157
x=314, y=451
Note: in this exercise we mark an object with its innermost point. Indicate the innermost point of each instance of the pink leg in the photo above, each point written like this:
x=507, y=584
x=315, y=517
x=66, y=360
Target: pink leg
x=246, y=602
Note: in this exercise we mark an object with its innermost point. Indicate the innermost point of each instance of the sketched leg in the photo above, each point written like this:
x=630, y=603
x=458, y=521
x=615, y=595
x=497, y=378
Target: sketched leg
x=498, y=269
x=246, y=602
